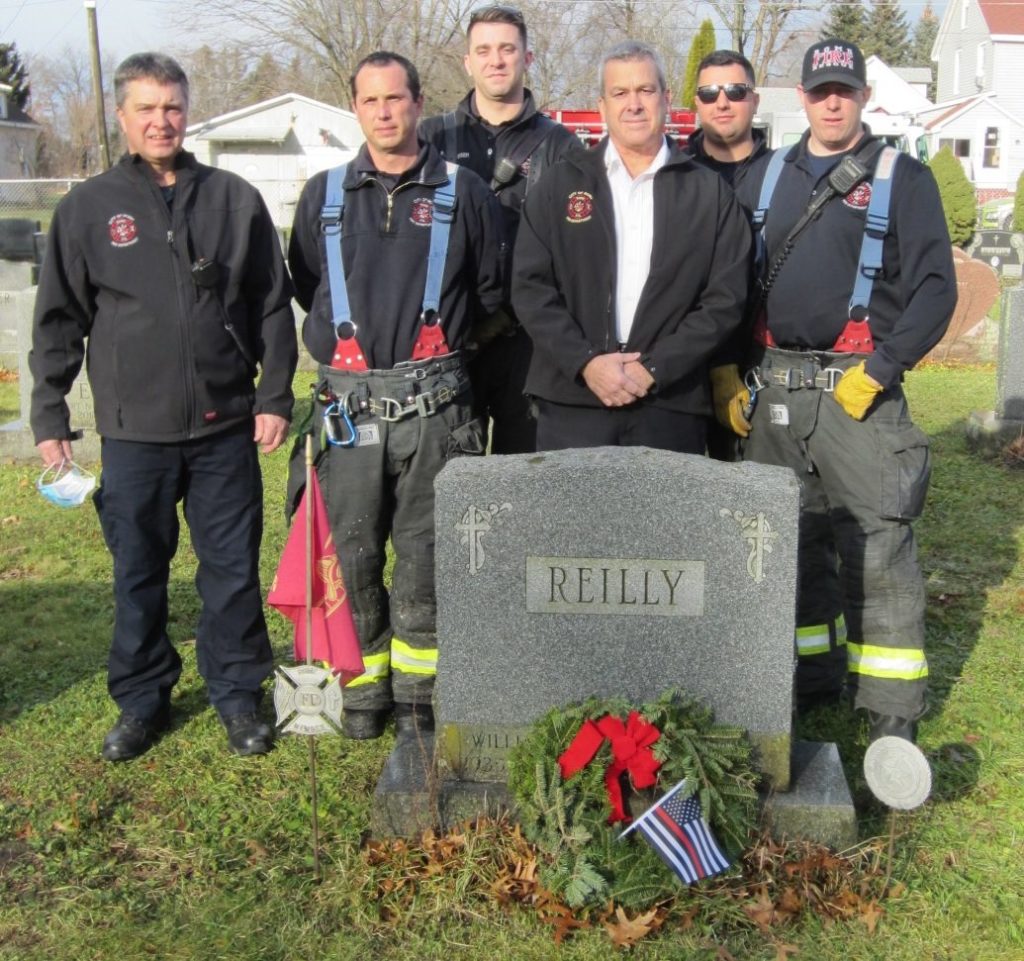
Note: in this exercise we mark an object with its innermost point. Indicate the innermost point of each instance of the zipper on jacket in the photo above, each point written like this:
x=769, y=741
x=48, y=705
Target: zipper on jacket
x=183, y=333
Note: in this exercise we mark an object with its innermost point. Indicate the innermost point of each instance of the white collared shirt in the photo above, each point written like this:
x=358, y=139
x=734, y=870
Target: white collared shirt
x=633, y=200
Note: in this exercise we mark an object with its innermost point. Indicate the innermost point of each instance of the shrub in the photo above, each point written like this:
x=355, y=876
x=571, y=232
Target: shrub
x=957, y=193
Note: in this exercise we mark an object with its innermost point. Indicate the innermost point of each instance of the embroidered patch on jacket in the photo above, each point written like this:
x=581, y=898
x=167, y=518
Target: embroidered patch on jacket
x=859, y=197
x=123, y=232
x=422, y=213
x=580, y=207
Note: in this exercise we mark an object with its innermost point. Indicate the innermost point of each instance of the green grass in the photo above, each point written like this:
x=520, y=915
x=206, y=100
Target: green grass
x=191, y=853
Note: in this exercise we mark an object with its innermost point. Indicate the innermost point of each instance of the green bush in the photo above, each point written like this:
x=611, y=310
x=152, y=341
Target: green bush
x=957, y=193
x=1018, y=204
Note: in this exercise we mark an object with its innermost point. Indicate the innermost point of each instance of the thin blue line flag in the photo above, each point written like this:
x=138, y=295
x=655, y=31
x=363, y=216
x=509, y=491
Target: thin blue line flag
x=676, y=829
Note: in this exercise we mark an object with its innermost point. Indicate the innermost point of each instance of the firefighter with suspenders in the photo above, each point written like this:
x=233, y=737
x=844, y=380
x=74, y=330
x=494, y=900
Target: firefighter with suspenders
x=857, y=285
x=392, y=255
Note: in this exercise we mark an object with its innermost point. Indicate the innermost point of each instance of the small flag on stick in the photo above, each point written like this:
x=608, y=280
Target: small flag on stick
x=676, y=829
x=334, y=632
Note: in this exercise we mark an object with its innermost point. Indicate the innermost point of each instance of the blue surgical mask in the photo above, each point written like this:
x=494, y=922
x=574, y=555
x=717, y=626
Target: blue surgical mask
x=68, y=484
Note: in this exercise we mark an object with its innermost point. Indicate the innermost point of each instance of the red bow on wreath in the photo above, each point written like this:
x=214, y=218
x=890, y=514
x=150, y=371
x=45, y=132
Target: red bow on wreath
x=631, y=751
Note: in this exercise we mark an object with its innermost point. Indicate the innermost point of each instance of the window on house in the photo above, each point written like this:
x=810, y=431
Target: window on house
x=991, y=155
x=979, y=68
x=956, y=71
x=960, y=148
x=964, y=4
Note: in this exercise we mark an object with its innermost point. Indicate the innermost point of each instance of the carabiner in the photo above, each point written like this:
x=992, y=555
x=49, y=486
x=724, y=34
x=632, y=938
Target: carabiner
x=752, y=381
x=338, y=423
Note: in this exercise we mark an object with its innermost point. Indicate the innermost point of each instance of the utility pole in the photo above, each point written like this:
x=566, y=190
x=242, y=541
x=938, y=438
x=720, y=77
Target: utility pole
x=97, y=81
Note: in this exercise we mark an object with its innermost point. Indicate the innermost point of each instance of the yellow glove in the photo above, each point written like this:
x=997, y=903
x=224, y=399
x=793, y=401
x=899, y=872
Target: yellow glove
x=856, y=391
x=730, y=397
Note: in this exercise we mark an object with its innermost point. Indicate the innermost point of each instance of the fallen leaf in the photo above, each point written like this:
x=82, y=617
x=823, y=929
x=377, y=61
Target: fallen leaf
x=783, y=951
x=626, y=931
x=870, y=915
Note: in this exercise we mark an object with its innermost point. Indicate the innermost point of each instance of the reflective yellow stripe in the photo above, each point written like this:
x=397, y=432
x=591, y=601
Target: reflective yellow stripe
x=412, y=660
x=375, y=669
x=894, y=663
x=814, y=638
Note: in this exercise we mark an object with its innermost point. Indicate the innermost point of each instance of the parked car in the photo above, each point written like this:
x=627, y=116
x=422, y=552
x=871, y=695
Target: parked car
x=996, y=214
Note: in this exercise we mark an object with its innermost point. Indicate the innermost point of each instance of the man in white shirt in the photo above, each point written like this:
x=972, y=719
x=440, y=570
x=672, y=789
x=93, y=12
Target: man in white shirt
x=630, y=273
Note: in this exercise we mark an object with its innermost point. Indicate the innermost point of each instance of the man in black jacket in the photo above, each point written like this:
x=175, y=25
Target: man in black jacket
x=394, y=390
x=630, y=273
x=832, y=408
x=498, y=133
x=172, y=272
x=726, y=101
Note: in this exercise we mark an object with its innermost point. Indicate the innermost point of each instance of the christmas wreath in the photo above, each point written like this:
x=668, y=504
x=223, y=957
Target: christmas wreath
x=585, y=770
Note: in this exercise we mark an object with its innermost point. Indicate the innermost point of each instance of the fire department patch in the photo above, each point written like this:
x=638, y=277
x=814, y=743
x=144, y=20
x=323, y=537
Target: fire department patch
x=580, y=207
x=859, y=197
x=422, y=213
x=123, y=232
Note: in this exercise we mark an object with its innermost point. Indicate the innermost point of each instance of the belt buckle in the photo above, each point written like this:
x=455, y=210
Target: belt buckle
x=426, y=404
x=391, y=410
x=832, y=377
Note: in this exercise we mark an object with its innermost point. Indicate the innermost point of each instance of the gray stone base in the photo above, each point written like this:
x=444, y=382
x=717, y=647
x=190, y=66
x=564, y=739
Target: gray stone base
x=987, y=431
x=818, y=806
x=410, y=798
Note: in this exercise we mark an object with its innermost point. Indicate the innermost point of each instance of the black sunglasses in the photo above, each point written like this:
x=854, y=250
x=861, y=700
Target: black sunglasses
x=734, y=91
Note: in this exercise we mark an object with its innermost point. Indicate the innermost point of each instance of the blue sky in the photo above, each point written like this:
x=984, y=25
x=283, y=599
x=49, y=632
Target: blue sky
x=127, y=26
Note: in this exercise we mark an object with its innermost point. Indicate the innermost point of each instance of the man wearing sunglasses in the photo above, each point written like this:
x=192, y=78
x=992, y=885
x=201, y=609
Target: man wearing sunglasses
x=630, y=274
x=833, y=338
x=499, y=134
x=726, y=142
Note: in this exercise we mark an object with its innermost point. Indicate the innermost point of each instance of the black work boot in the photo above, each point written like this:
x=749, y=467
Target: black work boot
x=363, y=725
x=247, y=734
x=889, y=725
x=131, y=736
x=413, y=719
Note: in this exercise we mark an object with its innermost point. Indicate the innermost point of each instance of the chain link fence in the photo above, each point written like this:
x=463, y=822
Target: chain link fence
x=32, y=199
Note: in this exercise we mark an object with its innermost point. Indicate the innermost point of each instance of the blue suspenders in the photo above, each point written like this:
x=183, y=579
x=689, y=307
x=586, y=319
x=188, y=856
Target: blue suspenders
x=869, y=267
x=440, y=229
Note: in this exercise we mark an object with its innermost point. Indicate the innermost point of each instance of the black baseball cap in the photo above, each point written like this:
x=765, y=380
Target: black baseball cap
x=833, y=61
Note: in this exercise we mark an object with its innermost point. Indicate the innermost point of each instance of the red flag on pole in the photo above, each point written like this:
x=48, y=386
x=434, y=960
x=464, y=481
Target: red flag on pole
x=334, y=632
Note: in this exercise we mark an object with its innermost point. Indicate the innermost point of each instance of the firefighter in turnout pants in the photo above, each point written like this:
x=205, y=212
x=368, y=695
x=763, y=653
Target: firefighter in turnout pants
x=828, y=359
x=392, y=256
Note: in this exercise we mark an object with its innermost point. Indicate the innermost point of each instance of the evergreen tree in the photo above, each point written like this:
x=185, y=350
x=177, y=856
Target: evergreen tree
x=957, y=194
x=13, y=73
x=845, y=21
x=703, y=44
x=886, y=33
x=925, y=32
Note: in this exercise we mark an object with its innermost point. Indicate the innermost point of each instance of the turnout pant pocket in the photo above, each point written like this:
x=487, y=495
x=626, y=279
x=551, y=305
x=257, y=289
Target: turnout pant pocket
x=468, y=439
x=906, y=470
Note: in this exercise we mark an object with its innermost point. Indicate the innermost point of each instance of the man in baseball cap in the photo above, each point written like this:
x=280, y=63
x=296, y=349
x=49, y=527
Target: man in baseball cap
x=833, y=61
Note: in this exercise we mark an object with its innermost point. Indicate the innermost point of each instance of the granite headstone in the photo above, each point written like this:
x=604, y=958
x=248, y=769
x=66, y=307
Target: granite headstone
x=991, y=430
x=612, y=571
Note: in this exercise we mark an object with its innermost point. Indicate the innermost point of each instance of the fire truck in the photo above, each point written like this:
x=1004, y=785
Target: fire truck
x=590, y=128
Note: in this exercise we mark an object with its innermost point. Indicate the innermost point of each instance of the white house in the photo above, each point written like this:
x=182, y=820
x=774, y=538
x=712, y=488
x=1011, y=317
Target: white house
x=277, y=145
x=896, y=91
x=18, y=136
x=980, y=111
